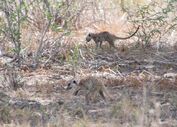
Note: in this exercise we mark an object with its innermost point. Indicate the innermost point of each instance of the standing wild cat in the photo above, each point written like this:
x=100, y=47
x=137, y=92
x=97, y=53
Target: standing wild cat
x=106, y=36
x=92, y=87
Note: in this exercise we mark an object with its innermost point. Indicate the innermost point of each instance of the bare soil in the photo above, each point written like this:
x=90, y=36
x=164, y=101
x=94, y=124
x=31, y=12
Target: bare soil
x=142, y=82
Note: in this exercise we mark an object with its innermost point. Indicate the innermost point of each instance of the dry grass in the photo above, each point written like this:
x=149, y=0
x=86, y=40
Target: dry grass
x=141, y=79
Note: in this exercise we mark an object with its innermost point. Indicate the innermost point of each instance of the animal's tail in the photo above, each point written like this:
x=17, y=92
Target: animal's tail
x=130, y=35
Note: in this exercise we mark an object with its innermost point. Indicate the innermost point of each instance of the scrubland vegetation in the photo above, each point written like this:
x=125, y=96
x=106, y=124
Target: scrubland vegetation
x=43, y=47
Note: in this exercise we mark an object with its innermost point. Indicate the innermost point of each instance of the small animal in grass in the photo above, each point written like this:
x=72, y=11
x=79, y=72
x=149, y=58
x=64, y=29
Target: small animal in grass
x=99, y=38
x=92, y=87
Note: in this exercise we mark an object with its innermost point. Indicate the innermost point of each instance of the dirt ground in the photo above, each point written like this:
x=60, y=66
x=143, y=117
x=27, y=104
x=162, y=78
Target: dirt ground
x=142, y=83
